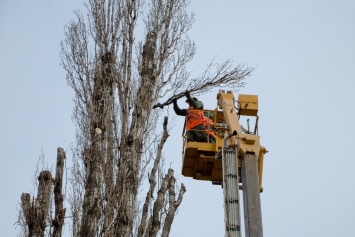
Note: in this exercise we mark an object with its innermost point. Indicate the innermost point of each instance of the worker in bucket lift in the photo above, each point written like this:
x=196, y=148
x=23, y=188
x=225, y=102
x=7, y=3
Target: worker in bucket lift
x=195, y=129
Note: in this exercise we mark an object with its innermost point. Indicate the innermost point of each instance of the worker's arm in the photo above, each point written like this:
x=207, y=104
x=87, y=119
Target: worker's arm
x=178, y=111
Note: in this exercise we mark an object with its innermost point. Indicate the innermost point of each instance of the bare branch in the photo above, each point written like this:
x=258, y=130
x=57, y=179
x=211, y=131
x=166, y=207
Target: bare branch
x=223, y=78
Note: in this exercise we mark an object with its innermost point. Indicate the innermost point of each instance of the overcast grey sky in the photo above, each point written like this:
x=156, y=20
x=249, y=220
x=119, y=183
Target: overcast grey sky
x=304, y=52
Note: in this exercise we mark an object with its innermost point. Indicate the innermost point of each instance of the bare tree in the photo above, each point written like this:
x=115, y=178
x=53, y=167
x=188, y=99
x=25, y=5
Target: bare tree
x=118, y=80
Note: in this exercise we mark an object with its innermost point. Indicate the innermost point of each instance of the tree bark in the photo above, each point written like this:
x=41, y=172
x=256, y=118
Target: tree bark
x=58, y=220
x=92, y=201
x=36, y=213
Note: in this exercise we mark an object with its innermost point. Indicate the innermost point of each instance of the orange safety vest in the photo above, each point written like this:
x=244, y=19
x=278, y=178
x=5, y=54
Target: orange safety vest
x=194, y=117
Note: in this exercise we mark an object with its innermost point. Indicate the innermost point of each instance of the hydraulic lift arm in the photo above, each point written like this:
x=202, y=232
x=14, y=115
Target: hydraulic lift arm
x=241, y=154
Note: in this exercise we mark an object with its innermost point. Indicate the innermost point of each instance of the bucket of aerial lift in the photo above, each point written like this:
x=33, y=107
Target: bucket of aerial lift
x=199, y=162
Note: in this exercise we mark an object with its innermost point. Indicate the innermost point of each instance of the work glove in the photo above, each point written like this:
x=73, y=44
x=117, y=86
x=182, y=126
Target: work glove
x=174, y=101
x=187, y=94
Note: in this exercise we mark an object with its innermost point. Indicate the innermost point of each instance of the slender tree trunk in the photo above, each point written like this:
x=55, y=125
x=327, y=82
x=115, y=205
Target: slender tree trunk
x=58, y=220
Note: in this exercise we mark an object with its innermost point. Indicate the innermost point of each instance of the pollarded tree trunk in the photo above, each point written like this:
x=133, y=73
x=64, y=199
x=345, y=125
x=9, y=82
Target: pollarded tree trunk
x=36, y=212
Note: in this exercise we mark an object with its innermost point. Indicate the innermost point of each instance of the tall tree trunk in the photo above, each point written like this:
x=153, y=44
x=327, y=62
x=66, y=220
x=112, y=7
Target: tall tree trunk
x=92, y=199
x=131, y=155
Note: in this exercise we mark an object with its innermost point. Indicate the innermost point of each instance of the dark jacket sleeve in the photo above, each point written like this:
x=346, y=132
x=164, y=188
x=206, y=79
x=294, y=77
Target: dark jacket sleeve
x=178, y=111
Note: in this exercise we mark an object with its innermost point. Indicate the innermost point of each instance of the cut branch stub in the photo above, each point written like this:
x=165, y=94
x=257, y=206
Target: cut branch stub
x=26, y=206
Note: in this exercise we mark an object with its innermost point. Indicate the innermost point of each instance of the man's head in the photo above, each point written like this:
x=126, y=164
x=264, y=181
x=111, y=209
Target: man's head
x=188, y=101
